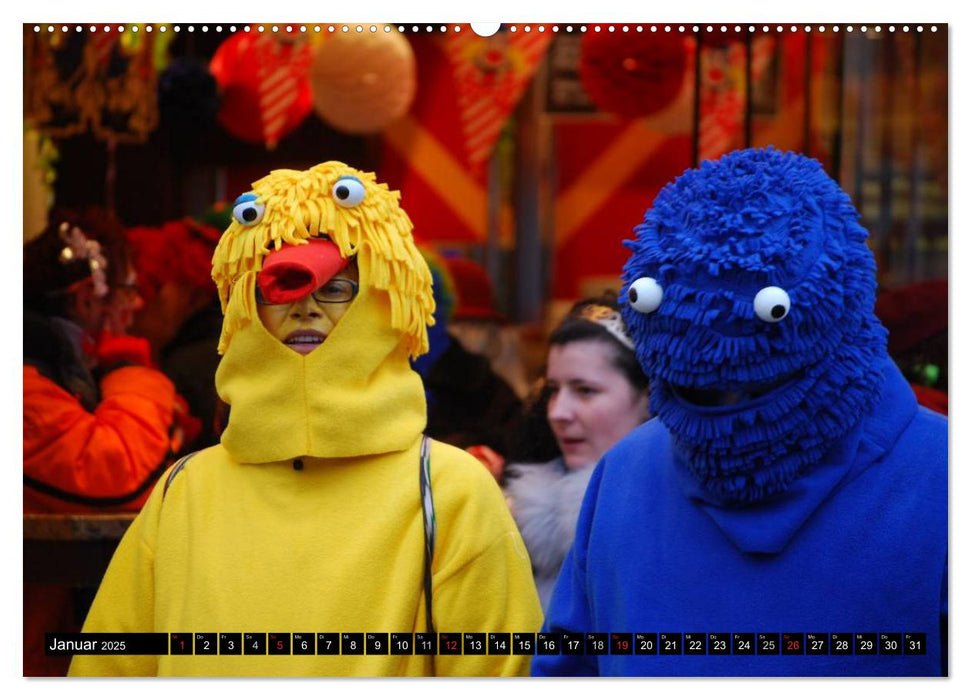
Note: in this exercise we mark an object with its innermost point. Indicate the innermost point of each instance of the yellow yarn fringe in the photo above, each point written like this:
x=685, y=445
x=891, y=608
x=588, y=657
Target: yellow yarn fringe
x=299, y=204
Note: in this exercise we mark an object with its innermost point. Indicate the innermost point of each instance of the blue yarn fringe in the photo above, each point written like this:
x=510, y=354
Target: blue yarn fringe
x=715, y=237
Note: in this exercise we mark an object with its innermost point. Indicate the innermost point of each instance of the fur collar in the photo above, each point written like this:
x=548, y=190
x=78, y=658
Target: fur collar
x=545, y=500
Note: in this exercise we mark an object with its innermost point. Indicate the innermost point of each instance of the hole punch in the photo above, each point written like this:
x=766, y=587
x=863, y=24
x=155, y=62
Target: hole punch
x=485, y=29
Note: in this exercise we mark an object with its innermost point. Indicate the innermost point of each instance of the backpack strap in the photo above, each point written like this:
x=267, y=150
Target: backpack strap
x=428, y=518
x=175, y=470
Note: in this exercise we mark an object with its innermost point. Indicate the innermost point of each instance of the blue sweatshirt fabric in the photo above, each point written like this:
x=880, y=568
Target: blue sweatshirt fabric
x=857, y=544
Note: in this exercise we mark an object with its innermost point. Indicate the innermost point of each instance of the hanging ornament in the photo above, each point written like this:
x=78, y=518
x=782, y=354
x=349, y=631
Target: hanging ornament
x=490, y=75
x=263, y=80
x=102, y=82
x=363, y=82
x=633, y=75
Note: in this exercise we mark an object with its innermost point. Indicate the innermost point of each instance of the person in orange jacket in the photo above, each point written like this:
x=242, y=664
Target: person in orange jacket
x=99, y=422
x=181, y=317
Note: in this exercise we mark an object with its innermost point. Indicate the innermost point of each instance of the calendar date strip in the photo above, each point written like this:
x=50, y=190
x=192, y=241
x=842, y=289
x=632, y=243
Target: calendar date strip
x=492, y=643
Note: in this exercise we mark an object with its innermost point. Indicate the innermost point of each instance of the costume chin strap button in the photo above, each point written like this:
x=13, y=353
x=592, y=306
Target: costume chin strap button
x=298, y=465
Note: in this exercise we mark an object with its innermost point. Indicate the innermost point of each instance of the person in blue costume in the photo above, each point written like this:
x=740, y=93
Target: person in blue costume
x=790, y=483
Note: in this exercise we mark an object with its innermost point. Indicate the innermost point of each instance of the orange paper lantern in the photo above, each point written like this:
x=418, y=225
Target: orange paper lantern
x=363, y=82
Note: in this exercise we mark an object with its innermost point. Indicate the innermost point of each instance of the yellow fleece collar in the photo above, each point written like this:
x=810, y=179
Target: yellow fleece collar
x=354, y=395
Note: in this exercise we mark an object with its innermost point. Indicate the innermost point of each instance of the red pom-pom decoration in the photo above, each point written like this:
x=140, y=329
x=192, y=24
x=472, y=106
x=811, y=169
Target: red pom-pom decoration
x=632, y=75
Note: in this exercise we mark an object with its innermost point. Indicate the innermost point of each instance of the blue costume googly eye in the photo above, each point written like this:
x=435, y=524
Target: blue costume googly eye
x=645, y=295
x=772, y=304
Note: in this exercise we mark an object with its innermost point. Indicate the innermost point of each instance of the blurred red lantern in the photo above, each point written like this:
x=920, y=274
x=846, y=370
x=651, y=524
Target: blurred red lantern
x=264, y=84
x=633, y=75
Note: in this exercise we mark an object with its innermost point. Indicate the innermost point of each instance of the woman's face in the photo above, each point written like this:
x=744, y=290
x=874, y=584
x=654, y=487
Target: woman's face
x=304, y=324
x=123, y=303
x=591, y=404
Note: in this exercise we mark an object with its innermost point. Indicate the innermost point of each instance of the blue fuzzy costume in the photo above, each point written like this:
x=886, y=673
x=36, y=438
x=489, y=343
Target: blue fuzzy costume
x=789, y=483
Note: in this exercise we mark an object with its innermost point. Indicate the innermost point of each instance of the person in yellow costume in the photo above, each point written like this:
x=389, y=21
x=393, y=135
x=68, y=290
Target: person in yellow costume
x=308, y=516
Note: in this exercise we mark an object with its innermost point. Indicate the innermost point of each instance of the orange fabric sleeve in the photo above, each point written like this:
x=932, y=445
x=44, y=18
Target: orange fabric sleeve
x=81, y=461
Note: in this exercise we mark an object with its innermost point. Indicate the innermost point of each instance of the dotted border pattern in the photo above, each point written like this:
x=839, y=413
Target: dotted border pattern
x=444, y=28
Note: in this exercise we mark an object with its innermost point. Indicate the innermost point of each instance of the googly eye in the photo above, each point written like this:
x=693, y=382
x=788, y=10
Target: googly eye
x=772, y=304
x=645, y=295
x=349, y=191
x=247, y=211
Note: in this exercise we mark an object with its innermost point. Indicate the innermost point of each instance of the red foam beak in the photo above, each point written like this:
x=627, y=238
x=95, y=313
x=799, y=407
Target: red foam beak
x=295, y=271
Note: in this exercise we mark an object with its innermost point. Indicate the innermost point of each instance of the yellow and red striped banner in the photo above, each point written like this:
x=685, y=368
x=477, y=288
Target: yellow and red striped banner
x=490, y=75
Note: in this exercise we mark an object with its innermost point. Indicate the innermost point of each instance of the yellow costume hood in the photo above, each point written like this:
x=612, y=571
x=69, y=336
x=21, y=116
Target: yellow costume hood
x=356, y=394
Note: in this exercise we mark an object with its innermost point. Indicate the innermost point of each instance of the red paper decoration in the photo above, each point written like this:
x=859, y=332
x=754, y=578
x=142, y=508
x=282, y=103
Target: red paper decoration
x=265, y=86
x=722, y=93
x=490, y=76
x=633, y=75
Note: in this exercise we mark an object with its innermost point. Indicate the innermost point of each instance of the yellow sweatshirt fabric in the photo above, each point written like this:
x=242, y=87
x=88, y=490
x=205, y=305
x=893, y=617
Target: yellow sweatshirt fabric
x=336, y=547
x=245, y=542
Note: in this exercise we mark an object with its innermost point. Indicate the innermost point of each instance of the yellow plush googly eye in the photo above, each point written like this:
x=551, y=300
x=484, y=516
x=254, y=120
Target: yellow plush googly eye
x=349, y=191
x=247, y=211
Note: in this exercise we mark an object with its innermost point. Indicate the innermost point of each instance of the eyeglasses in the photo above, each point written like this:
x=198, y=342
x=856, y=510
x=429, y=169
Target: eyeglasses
x=128, y=290
x=334, y=291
